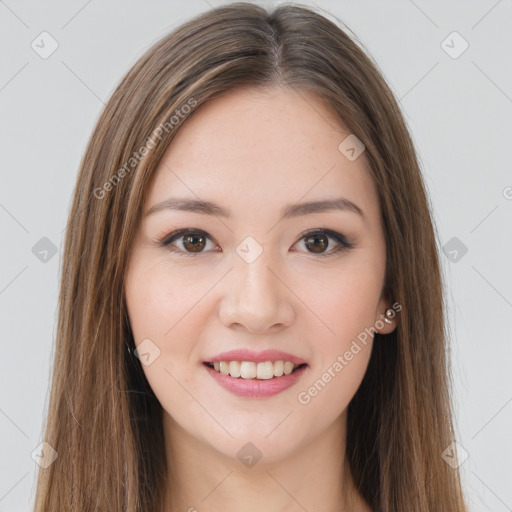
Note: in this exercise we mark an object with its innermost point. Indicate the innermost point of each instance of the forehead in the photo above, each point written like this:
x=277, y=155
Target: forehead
x=262, y=148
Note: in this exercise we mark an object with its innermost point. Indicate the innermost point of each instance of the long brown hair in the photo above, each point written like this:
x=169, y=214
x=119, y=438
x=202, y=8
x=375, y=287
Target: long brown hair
x=103, y=420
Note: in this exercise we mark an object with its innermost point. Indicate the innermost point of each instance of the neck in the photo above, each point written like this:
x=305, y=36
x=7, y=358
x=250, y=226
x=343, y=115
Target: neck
x=313, y=477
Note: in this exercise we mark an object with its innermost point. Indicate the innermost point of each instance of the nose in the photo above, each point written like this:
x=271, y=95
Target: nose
x=255, y=296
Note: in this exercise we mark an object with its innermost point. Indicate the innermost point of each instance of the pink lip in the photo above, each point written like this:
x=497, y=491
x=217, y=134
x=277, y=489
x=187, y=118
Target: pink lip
x=255, y=388
x=255, y=357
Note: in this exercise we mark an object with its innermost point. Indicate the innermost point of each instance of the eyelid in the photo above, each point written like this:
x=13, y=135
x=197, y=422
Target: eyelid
x=343, y=243
x=169, y=238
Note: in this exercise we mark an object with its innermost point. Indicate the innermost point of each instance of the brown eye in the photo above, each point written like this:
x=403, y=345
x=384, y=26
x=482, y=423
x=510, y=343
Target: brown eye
x=317, y=243
x=187, y=242
x=194, y=242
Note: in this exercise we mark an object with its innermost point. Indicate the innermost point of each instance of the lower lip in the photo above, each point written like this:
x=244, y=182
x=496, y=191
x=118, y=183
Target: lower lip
x=256, y=388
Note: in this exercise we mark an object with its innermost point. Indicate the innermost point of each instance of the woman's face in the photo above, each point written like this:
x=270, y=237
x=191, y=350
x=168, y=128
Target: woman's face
x=256, y=271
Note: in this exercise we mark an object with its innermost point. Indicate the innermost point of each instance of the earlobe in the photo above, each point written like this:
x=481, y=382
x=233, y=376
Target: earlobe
x=386, y=322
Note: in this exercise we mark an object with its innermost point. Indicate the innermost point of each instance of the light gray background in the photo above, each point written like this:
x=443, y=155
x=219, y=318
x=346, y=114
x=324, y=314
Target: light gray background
x=459, y=111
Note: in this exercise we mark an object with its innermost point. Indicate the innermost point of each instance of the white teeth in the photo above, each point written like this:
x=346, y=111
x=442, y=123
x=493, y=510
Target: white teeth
x=278, y=368
x=234, y=369
x=224, y=368
x=247, y=370
x=288, y=368
x=265, y=370
x=250, y=370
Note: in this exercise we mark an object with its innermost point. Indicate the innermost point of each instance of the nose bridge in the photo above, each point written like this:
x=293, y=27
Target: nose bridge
x=254, y=296
x=252, y=278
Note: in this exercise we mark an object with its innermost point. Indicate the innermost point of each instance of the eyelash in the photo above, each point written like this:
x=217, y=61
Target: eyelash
x=338, y=237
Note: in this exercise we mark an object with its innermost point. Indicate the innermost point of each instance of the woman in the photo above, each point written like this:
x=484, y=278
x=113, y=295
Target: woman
x=251, y=308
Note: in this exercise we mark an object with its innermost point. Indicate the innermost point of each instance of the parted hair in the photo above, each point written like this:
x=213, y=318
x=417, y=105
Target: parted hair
x=103, y=419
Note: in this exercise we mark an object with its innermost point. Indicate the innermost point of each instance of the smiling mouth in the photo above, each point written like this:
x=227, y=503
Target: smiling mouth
x=255, y=371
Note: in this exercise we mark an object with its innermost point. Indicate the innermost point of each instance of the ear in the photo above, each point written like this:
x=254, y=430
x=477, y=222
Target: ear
x=381, y=325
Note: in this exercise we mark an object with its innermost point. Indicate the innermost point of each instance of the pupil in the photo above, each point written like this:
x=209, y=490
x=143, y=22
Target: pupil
x=321, y=245
x=192, y=239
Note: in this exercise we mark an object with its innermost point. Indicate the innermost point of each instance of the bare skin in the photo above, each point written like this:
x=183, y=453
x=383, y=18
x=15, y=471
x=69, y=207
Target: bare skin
x=253, y=153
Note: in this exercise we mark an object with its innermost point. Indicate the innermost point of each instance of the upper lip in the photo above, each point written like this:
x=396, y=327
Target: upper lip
x=256, y=357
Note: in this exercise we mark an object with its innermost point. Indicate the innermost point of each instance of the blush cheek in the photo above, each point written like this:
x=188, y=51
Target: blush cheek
x=348, y=310
x=158, y=303
x=174, y=317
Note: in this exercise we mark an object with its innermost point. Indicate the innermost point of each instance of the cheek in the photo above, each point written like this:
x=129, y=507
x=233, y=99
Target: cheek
x=160, y=301
x=328, y=393
x=343, y=348
x=344, y=300
x=168, y=306
x=163, y=310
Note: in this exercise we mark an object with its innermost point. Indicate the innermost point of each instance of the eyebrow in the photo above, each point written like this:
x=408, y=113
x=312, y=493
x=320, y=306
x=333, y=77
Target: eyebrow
x=289, y=211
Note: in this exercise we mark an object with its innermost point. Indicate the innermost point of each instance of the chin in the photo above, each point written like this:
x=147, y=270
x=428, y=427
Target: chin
x=262, y=442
